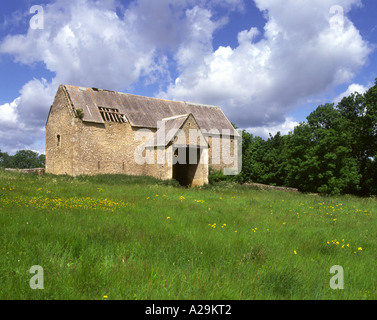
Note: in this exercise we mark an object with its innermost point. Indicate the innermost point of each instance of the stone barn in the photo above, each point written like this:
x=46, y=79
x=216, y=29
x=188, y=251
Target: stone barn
x=92, y=131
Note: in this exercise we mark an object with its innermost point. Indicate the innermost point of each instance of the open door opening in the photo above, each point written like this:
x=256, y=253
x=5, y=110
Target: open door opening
x=185, y=166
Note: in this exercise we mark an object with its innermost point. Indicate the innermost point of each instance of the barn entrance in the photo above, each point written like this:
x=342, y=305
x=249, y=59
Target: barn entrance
x=185, y=165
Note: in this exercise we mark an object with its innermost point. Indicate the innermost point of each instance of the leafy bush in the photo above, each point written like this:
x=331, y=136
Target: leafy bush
x=23, y=159
x=80, y=113
x=216, y=176
x=333, y=152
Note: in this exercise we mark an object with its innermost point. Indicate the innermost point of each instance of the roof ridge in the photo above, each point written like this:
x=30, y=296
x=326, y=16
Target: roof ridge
x=138, y=95
x=176, y=117
x=201, y=105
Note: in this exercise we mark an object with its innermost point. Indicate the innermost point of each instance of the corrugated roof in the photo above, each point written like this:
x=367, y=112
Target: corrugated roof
x=145, y=112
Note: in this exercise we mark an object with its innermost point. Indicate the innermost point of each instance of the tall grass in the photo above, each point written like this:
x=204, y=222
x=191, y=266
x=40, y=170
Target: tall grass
x=125, y=237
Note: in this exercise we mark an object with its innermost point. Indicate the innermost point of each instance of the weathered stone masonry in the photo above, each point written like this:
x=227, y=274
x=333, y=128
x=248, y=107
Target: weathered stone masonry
x=104, y=140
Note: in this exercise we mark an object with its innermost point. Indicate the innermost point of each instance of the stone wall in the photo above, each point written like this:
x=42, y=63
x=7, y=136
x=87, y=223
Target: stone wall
x=75, y=147
x=39, y=171
x=60, y=133
x=223, y=152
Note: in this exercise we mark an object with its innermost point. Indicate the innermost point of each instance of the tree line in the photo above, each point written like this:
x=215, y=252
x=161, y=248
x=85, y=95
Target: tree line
x=23, y=159
x=333, y=152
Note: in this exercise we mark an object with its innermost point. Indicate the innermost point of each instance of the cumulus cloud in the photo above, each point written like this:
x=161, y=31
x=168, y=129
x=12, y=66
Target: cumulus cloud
x=283, y=128
x=353, y=88
x=104, y=44
x=9, y=113
x=303, y=52
x=83, y=43
x=15, y=134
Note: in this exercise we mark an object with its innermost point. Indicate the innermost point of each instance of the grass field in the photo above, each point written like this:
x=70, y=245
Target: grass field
x=117, y=237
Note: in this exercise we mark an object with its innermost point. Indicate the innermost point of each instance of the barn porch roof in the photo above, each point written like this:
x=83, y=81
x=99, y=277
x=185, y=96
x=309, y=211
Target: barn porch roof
x=171, y=128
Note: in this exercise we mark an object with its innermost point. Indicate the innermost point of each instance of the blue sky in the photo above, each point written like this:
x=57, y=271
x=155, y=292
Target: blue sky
x=266, y=63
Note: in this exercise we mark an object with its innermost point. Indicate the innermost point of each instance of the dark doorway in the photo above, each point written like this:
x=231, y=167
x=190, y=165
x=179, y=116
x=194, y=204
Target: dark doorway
x=186, y=162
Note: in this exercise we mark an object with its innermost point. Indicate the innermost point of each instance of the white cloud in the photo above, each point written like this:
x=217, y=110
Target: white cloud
x=103, y=44
x=301, y=54
x=265, y=131
x=20, y=127
x=353, y=88
x=83, y=43
x=9, y=113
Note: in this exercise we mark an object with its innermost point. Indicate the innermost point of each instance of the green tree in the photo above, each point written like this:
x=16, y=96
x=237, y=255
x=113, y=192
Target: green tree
x=319, y=157
x=337, y=170
x=333, y=152
x=42, y=161
x=251, y=167
x=299, y=162
x=5, y=160
x=27, y=159
x=274, y=166
x=360, y=114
